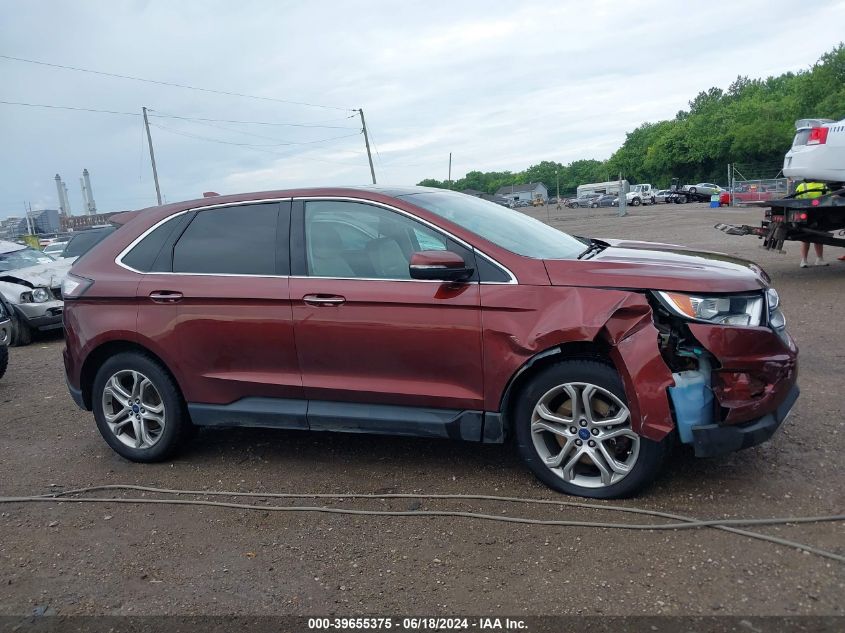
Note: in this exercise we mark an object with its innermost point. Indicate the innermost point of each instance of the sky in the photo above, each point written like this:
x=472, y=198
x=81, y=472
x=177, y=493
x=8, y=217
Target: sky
x=501, y=85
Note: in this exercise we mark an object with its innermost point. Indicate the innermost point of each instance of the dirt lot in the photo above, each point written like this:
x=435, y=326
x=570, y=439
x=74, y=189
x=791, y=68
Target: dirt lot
x=122, y=559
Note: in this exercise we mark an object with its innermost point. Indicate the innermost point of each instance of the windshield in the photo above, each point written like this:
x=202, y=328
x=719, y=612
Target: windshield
x=23, y=258
x=509, y=229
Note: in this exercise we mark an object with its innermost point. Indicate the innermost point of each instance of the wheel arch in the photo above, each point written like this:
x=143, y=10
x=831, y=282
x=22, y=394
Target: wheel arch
x=596, y=350
x=102, y=353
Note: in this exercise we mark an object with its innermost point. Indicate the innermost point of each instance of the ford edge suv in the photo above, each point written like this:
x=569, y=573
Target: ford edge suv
x=422, y=312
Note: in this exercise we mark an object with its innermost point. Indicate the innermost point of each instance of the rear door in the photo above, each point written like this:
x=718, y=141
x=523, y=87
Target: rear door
x=368, y=333
x=223, y=301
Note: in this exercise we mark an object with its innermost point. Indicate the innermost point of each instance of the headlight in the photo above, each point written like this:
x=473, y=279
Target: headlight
x=776, y=317
x=745, y=309
x=40, y=295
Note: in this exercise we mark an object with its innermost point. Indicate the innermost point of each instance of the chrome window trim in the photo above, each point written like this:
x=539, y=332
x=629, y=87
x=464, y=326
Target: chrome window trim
x=119, y=259
x=431, y=225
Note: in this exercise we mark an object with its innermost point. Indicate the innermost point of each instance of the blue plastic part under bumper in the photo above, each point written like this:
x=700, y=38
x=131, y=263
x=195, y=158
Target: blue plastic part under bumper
x=712, y=440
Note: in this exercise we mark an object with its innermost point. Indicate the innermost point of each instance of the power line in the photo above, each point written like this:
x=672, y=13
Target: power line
x=172, y=84
x=270, y=138
x=257, y=148
x=277, y=144
x=183, y=117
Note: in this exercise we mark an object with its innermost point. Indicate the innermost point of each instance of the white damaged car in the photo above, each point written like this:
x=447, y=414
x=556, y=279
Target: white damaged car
x=30, y=282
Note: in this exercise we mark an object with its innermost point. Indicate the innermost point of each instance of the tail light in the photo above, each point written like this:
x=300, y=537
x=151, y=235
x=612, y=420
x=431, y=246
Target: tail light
x=818, y=136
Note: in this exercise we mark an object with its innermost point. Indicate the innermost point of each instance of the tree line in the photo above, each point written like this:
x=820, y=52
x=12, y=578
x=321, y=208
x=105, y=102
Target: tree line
x=750, y=123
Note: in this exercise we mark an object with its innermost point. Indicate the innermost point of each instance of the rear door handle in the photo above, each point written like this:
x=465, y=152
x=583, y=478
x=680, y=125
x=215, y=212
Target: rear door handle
x=165, y=296
x=324, y=300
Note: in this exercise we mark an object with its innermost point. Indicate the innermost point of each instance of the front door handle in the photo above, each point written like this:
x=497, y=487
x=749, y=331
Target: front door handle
x=324, y=300
x=165, y=296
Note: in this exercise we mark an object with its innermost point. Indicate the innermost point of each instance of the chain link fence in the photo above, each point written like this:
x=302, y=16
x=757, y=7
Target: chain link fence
x=754, y=183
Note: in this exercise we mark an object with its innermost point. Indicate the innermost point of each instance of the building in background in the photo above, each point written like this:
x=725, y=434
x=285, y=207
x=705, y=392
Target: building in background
x=44, y=222
x=524, y=193
x=9, y=228
x=82, y=222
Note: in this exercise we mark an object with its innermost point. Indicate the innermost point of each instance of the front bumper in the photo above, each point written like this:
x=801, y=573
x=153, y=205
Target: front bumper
x=41, y=316
x=712, y=440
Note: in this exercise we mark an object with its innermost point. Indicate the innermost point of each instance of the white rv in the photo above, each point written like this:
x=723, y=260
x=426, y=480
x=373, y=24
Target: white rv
x=601, y=188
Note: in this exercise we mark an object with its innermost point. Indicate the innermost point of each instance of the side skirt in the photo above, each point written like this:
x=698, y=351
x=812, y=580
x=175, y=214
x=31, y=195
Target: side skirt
x=351, y=417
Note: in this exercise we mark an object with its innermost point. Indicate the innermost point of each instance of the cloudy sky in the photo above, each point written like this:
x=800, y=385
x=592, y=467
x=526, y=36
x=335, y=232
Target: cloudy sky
x=502, y=85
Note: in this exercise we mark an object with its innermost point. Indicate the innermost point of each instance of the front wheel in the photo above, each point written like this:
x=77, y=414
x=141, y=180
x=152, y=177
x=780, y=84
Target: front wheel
x=138, y=408
x=21, y=333
x=4, y=359
x=692, y=189
x=635, y=202
x=573, y=430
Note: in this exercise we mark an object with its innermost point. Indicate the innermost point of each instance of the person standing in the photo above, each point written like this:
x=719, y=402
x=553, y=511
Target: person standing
x=811, y=190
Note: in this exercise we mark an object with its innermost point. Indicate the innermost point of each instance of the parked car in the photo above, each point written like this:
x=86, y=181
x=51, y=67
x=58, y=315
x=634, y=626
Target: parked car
x=84, y=241
x=5, y=334
x=588, y=201
x=663, y=195
x=708, y=188
x=607, y=200
x=30, y=281
x=55, y=249
x=417, y=311
x=818, y=151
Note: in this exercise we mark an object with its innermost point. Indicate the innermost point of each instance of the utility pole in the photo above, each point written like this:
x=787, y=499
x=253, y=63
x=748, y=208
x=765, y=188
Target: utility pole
x=730, y=187
x=623, y=198
x=367, y=143
x=152, y=155
x=557, y=182
x=29, y=228
x=450, y=170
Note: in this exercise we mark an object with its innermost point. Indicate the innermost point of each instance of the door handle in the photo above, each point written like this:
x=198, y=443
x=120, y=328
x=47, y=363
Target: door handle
x=324, y=300
x=165, y=296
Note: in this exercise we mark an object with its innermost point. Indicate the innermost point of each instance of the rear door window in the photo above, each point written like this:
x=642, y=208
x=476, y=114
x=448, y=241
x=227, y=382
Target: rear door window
x=237, y=240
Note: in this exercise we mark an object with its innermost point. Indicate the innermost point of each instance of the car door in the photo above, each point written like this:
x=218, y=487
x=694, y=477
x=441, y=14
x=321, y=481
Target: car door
x=367, y=333
x=223, y=302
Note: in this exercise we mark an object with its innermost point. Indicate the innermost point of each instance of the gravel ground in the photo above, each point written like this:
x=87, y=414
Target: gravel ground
x=125, y=559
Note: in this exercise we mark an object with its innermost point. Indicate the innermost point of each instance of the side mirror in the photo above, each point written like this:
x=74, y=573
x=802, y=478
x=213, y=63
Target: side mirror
x=439, y=265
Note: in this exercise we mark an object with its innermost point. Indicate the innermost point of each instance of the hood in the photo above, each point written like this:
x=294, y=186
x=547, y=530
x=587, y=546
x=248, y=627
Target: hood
x=47, y=275
x=653, y=266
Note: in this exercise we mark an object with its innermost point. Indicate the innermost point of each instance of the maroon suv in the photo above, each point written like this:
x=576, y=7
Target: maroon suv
x=415, y=311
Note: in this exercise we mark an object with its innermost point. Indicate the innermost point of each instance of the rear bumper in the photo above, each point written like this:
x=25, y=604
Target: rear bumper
x=76, y=394
x=713, y=439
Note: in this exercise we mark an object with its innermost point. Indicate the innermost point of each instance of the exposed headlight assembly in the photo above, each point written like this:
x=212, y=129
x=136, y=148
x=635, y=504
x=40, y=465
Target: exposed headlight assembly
x=37, y=295
x=738, y=309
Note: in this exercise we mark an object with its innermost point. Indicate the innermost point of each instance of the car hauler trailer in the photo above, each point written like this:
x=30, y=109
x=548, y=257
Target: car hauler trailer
x=817, y=156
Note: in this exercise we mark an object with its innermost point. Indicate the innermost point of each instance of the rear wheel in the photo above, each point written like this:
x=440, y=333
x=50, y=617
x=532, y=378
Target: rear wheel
x=573, y=430
x=138, y=408
x=692, y=189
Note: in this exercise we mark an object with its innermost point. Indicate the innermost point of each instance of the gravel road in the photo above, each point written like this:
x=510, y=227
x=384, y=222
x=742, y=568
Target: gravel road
x=134, y=559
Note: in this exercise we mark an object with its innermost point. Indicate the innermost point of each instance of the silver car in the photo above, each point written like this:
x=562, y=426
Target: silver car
x=708, y=188
x=30, y=283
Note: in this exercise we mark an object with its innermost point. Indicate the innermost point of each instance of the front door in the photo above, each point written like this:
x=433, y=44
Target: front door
x=365, y=331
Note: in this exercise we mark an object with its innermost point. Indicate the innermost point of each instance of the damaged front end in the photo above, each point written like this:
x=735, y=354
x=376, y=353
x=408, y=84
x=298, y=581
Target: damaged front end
x=734, y=367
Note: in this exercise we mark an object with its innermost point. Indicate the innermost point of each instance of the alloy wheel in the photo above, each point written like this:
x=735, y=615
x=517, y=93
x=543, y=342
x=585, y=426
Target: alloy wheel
x=133, y=409
x=582, y=433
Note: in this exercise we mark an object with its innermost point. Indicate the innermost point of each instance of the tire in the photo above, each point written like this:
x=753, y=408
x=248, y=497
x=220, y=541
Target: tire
x=4, y=359
x=594, y=206
x=21, y=333
x=572, y=205
x=129, y=369
x=692, y=190
x=641, y=457
x=653, y=200
x=636, y=202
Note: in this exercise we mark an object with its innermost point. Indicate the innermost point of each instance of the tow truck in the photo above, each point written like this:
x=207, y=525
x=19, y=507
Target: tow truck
x=680, y=194
x=817, y=156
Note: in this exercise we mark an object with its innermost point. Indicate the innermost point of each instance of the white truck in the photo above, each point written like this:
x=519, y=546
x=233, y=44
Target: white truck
x=641, y=194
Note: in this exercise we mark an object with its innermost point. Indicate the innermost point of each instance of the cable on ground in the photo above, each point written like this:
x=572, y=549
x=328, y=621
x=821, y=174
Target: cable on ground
x=682, y=522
